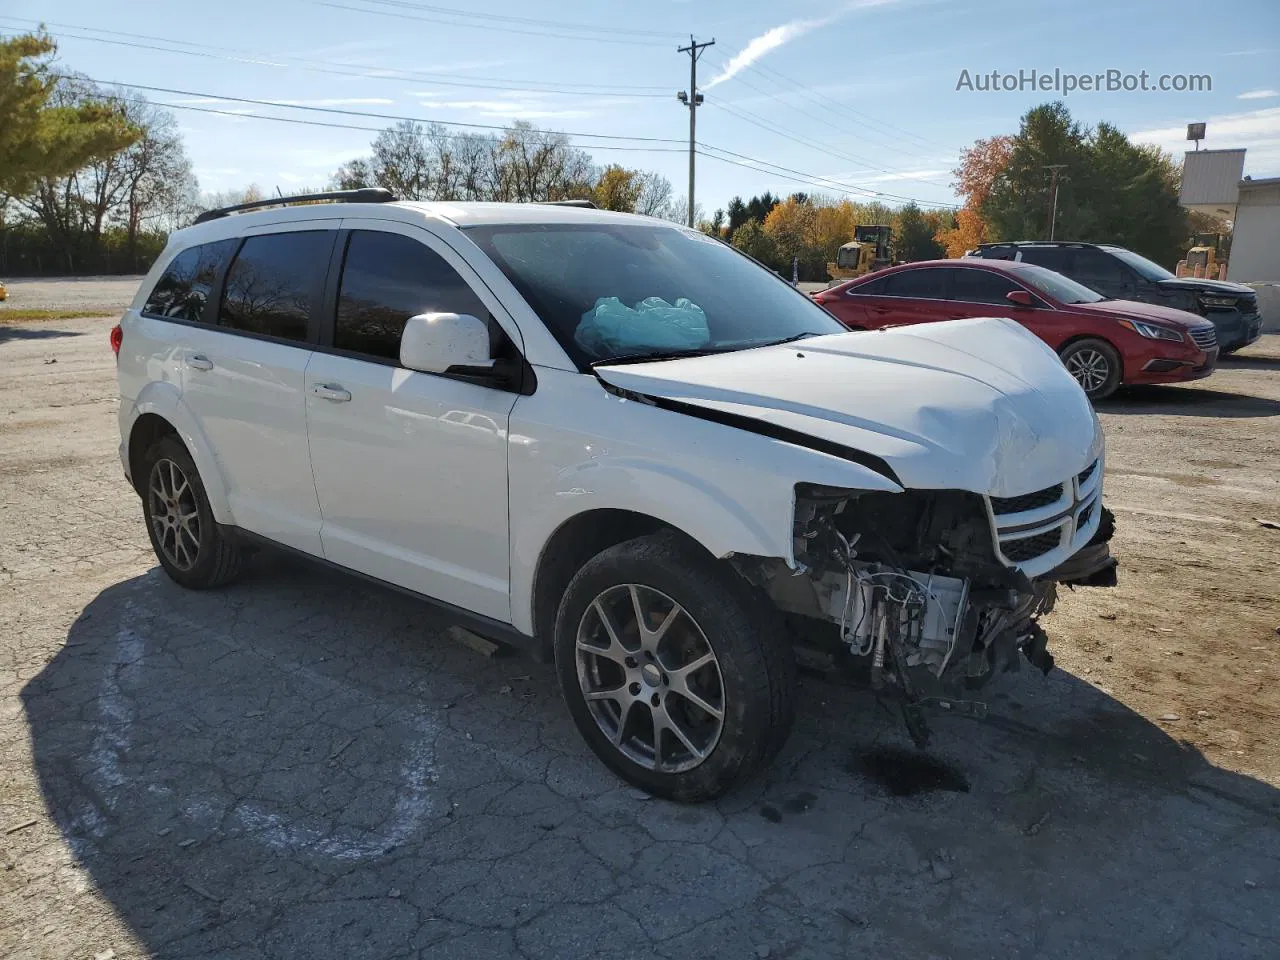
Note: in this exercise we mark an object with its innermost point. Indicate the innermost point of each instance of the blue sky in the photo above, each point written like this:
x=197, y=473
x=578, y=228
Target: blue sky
x=859, y=95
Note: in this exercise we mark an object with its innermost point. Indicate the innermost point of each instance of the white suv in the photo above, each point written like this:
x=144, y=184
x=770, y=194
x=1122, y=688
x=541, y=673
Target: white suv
x=618, y=444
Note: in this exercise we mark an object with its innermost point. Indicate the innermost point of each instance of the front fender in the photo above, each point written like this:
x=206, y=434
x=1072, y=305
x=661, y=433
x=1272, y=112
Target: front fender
x=731, y=490
x=164, y=399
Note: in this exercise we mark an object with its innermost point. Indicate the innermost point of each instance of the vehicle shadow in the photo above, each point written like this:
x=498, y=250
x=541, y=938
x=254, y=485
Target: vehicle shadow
x=27, y=333
x=1187, y=402
x=300, y=766
x=1249, y=362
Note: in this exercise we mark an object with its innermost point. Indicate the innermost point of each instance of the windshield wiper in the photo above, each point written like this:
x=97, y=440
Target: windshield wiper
x=658, y=355
x=799, y=336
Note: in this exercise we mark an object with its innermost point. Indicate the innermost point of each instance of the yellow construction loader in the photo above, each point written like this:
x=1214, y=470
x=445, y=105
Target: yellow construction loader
x=871, y=249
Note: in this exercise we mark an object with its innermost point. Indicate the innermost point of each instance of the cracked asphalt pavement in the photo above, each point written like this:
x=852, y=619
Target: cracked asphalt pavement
x=303, y=766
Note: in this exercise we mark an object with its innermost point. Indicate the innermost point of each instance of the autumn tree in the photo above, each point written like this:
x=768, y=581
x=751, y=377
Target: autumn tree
x=44, y=134
x=654, y=198
x=617, y=188
x=969, y=231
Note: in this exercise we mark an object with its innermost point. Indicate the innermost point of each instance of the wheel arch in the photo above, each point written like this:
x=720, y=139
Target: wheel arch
x=158, y=411
x=1077, y=338
x=572, y=544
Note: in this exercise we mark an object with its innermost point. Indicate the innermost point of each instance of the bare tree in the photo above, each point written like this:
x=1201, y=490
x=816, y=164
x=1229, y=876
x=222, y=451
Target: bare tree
x=654, y=198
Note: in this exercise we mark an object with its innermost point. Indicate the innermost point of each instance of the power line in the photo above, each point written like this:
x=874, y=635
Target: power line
x=353, y=126
x=558, y=24
x=811, y=179
x=812, y=144
x=811, y=94
x=822, y=119
x=361, y=113
x=329, y=66
x=487, y=27
x=753, y=163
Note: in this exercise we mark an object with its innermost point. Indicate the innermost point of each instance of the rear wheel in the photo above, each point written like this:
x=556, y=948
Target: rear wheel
x=1096, y=366
x=191, y=547
x=676, y=673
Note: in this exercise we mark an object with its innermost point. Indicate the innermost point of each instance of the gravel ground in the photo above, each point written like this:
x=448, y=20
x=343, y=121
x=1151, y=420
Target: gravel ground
x=111, y=295
x=303, y=766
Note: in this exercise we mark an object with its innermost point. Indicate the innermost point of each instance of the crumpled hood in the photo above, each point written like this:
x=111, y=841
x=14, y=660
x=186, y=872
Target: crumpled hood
x=979, y=405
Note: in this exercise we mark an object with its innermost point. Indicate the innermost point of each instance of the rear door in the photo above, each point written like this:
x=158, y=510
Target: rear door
x=411, y=467
x=243, y=378
x=911, y=296
x=1099, y=270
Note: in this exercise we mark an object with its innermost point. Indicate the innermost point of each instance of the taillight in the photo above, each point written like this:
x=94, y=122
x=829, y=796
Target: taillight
x=117, y=338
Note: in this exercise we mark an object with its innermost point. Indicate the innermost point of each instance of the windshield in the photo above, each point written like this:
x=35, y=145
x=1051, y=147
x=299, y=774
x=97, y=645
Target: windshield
x=621, y=291
x=1144, y=267
x=1055, y=285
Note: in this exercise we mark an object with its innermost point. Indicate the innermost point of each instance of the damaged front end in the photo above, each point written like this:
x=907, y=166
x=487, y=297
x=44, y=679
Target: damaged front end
x=939, y=590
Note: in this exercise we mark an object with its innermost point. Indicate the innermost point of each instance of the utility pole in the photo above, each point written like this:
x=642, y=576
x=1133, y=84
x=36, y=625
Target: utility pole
x=1054, y=169
x=692, y=99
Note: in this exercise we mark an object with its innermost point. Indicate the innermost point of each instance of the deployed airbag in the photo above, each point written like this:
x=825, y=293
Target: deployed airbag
x=611, y=327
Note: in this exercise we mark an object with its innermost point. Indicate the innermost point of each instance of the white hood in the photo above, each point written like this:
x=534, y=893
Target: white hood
x=979, y=405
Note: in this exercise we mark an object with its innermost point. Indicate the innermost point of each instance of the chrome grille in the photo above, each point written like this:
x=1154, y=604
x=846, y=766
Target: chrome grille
x=1205, y=337
x=1027, y=501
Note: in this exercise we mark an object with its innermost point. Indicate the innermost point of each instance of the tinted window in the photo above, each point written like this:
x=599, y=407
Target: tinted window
x=1055, y=285
x=388, y=278
x=1144, y=267
x=183, y=290
x=930, y=284
x=872, y=288
x=273, y=283
x=1052, y=258
x=610, y=290
x=980, y=286
x=1095, y=267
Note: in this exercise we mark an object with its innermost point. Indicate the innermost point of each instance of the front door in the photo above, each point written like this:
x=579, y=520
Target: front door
x=410, y=468
x=243, y=379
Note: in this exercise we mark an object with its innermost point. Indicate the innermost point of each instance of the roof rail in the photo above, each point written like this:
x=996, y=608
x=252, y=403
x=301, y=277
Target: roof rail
x=585, y=204
x=364, y=195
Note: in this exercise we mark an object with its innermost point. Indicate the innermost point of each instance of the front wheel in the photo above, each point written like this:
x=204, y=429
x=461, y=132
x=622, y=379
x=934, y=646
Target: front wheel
x=1096, y=366
x=676, y=673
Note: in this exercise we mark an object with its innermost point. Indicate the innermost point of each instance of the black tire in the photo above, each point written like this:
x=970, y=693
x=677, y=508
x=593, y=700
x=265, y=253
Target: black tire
x=752, y=657
x=1096, y=366
x=214, y=560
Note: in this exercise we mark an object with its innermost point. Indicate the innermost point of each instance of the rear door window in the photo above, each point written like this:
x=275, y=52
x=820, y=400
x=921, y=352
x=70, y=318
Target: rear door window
x=388, y=278
x=872, y=288
x=1100, y=270
x=183, y=290
x=927, y=284
x=981, y=286
x=1051, y=258
x=274, y=283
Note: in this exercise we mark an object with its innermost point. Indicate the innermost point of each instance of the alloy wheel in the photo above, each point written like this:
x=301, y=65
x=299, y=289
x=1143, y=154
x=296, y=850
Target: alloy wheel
x=174, y=514
x=1090, y=368
x=650, y=678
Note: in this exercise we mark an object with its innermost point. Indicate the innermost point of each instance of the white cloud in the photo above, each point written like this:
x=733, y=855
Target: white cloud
x=1258, y=95
x=336, y=102
x=514, y=108
x=783, y=33
x=1258, y=131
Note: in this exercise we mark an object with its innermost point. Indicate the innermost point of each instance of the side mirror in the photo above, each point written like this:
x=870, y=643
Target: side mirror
x=439, y=342
x=1019, y=298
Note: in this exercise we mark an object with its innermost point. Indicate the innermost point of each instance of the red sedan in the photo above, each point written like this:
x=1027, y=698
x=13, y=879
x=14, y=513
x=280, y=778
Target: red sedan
x=1103, y=343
